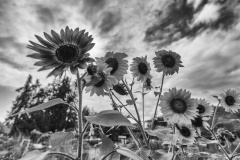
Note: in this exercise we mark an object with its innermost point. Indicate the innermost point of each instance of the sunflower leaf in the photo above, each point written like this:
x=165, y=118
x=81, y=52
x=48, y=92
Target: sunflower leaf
x=60, y=137
x=128, y=153
x=107, y=147
x=42, y=106
x=109, y=118
x=158, y=155
x=130, y=101
x=35, y=155
x=143, y=152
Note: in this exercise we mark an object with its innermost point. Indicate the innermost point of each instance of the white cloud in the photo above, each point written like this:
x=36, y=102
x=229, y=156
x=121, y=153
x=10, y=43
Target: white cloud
x=209, y=13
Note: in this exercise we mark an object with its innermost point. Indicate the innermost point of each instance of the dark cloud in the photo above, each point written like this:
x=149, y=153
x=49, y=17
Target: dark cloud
x=174, y=22
x=109, y=21
x=45, y=14
x=7, y=43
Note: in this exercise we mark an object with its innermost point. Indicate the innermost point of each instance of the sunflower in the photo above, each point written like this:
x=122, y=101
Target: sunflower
x=64, y=51
x=147, y=84
x=204, y=108
x=167, y=62
x=200, y=122
x=186, y=132
x=230, y=100
x=141, y=69
x=178, y=107
x=120, y=88
x=117, y=62
x=106, y=80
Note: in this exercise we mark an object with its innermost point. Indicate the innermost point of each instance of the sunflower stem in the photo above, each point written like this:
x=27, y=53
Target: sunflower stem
x=214, y=116
x=235, y=150
x=80, y=122
x=155, y=112
x=224, y=151
x=143, y=105
x=124, y=107
x=138, y=116
x=173, y=148
x=129, y=130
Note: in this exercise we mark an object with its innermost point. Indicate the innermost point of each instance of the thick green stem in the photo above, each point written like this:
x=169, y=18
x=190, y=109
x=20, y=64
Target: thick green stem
x=80, y=121
x=173, y=148
x=155, y=112
x=138, y=116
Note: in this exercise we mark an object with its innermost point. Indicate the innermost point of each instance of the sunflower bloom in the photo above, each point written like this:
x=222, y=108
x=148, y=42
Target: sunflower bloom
x=230, y=100
x=105, y=83
x=167, y=62
x=140, y=68
x=200, y=122
x=177, y=106
x=117, y=62
x=204, y=108
x=61, y=52
x=186, y=132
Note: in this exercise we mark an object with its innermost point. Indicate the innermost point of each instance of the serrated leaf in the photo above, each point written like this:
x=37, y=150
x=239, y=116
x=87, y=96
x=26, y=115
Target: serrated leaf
x=60, y=137
x=128, y=153
x=109, y=118
x=42, y=106
x=130, y=101
x=35, y=155
x=156, y=93
x=107, y=147
x=144, y=152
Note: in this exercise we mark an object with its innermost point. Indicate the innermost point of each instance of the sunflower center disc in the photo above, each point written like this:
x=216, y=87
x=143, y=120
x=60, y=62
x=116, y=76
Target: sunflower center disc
x=112, y=62
x=198, y=122
x=230, y=100
x=142, y=67
x=67, y=53
x=100, y=83
x=168, y=60
x=92, y=69
x=178, y=105
x=201, y=109
x=185, y=132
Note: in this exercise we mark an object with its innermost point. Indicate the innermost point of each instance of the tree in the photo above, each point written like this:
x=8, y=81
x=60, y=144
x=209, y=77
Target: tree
x=53, y=119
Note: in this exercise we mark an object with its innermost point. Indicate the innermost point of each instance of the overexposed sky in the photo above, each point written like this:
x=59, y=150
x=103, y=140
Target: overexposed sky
x=205, y=33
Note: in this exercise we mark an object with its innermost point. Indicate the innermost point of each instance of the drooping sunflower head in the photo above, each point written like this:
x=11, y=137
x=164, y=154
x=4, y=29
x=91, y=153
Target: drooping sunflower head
x=105, y=80
x=186, y=132
x=177, y=106
x=167, y=62
x=204, y=108
x=63, y=51
x=120, y=88
x=140, y=68
x=230, y=100
x=117, y=62
x=147, y=84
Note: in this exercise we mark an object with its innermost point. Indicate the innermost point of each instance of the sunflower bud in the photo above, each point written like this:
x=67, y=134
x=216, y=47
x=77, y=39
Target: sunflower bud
x=120, y=89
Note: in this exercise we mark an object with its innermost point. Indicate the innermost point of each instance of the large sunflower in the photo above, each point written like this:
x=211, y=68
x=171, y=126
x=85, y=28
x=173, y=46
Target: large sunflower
x=230, y=100
x=167, y=62
x=106, y=80
x=141, y=69
x=186, y=132
x=64, y=51
x=204, y=108
x=117, y=62
x=177, y=106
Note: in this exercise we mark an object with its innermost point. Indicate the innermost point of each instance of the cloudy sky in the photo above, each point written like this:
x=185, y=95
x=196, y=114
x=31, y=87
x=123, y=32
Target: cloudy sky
x=205, y=33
